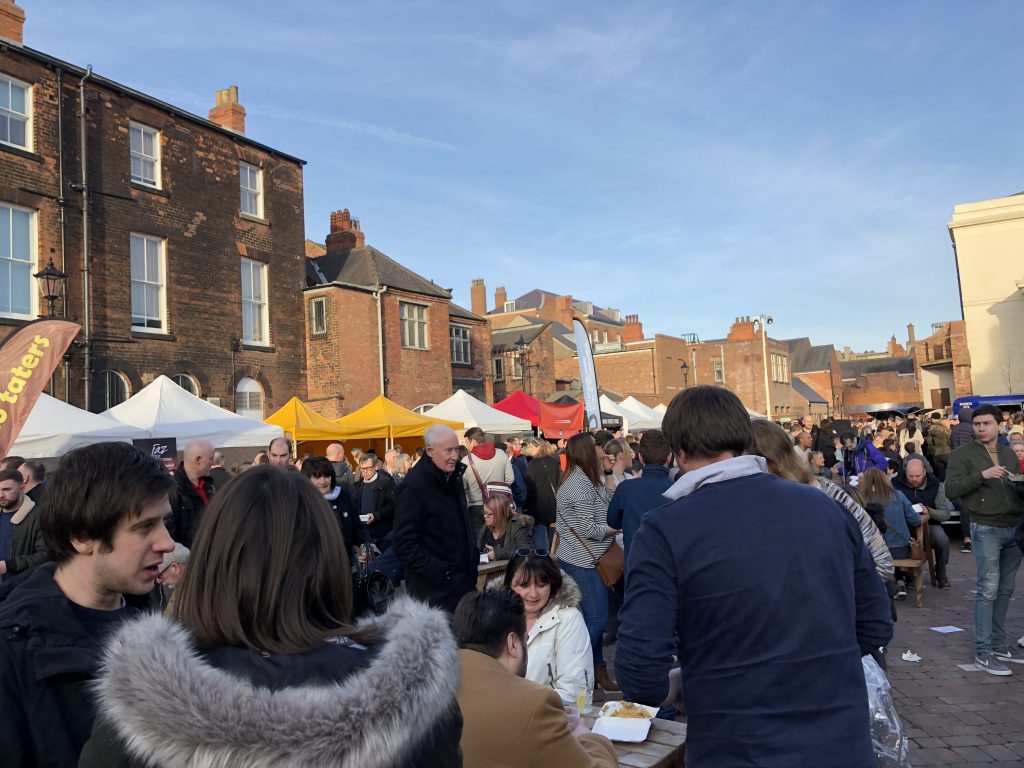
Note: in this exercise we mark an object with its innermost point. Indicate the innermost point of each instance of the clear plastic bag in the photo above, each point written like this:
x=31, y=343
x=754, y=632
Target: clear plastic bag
x=892, y=748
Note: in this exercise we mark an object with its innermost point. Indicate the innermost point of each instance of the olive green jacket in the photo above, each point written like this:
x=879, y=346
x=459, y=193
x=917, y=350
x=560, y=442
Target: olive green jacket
x=998, y=503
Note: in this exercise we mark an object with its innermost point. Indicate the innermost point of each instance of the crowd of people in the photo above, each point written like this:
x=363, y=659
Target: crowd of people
x=216, y=617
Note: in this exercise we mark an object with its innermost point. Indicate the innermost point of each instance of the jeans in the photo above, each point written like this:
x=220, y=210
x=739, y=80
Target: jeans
x=940, y=546
x=593, y=605
x=997, y=558
x=542, y=536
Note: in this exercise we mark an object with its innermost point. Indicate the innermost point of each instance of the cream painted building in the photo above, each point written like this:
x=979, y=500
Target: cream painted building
x=988, y=238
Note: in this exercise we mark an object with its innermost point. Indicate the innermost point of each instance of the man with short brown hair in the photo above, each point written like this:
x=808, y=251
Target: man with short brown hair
x=21, y=540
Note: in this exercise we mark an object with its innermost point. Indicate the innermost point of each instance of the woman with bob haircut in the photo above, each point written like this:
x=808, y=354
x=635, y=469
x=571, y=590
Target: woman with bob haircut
x=771, y=442
x=261, y=666
x=557, y=641
x=583, y=537
x=320, y=472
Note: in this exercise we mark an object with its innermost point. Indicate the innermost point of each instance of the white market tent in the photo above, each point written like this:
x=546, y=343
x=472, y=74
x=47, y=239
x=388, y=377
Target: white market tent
x=53, y=428
x=644, y=417
x=611, y=407
x=463, y=407
x=755, y=414
x=660, y=408
x=163, y=409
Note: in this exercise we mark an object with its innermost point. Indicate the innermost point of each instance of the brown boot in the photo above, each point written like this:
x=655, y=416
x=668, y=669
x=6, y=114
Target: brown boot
x=602, y=678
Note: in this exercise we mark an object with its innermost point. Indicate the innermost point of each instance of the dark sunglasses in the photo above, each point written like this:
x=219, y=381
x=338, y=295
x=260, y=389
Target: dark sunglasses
x=528, y=552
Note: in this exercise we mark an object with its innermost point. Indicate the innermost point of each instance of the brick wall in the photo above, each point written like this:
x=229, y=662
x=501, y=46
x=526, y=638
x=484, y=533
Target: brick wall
x=543, y=369
x=878, y=388
x=196, y=212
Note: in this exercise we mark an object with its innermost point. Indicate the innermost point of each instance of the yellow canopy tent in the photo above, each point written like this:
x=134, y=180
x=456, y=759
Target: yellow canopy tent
x=302, y=423
x=382, y=418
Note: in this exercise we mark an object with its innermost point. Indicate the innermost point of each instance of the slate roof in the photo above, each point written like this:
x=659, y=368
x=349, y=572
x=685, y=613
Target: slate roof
x=368, y=266
x=564, y=336
x=504, y=339
x=796, y=346
x=853, y=368
x=454, y=310
x=807, y=392
x=812, y=359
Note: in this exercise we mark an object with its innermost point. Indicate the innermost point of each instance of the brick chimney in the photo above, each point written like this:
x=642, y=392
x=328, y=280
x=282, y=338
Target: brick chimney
x=563, y=306
x=632, y=329
x=345, y=233
x=500, y=297
x=12, y=21
x=227, y=112
x=478, y=297
x=743, y=330
x=911, y=337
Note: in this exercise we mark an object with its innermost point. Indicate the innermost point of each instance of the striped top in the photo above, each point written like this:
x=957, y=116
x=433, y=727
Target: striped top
x=585, y=507
x=868, y=530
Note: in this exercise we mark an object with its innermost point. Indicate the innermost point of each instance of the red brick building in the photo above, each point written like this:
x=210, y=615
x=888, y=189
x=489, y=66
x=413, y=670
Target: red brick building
x=190, y=234
x=818, y=367
x=943, y=364
x=376, y=327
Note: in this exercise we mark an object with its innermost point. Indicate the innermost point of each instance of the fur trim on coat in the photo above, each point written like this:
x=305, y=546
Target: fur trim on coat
x=171, y=707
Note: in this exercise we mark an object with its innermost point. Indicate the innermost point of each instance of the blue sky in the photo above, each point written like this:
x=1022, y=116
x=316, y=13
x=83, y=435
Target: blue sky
x=688, y=162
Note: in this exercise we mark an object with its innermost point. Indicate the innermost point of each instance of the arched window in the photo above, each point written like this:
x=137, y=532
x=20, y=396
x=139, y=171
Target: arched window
x=424, y=408
x=187, y=382
x=249, y=399
x=113, y=388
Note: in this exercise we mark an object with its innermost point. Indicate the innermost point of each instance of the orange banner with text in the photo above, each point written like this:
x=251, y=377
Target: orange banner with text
x=27, y=360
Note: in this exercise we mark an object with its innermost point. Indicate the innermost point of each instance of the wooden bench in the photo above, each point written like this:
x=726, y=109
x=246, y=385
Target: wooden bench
x=917, y=566
x=486, y=571
x=664, y=747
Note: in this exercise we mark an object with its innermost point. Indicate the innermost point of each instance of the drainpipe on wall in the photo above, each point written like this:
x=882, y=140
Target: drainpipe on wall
x=86, y=308
x=380, y=334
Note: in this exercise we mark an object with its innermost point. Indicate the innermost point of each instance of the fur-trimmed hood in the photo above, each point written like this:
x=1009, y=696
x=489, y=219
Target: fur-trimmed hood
x=171, y=707
x=569, y=596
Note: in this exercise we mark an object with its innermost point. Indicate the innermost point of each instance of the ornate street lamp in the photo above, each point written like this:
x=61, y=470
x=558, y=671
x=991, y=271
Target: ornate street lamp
x=686, y=374
x=51, y=283
x=523, y=349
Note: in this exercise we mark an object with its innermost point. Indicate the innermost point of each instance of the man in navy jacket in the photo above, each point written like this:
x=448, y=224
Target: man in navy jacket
x=764, y=590
x=636, y=498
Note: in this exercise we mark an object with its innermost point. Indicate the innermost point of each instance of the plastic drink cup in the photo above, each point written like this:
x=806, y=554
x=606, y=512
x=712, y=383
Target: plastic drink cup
x=583, y=699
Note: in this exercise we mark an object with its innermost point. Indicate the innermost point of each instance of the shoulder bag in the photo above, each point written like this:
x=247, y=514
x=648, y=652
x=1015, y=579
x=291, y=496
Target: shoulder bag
x=492, y=487
x=611, y=565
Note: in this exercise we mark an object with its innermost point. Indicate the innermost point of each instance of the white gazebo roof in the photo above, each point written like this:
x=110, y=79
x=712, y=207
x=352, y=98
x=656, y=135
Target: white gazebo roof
x=463, y=407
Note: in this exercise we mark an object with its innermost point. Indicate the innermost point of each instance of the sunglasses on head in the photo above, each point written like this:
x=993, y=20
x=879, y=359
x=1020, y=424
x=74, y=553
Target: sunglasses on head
x=528, y=552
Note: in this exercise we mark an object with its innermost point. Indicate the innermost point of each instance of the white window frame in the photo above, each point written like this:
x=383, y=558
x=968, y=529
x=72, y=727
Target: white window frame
x=510, y=306
x=517, y=367
x=318, y=326
x=246, y=171
x=139, y=153
x=193, y=387
x=146, y=281
x=244, y=392
x=719, y=370
x=255, y=303
x=122, y=379
x=498, y=366
x=461, y=341
x=10, y=264
x=785, y=368
x=415, y=330
x=8, y=113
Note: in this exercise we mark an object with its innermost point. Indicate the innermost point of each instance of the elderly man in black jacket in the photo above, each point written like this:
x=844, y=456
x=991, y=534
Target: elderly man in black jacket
x=432, y=531
x=195, y=489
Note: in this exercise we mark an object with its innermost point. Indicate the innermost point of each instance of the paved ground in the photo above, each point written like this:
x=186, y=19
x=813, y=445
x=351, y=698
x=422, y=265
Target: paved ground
x=955, y=716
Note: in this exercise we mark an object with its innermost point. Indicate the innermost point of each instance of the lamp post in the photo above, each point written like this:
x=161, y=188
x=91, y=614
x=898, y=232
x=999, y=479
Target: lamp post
x=763, y=321
x=51, y=281
x=686, y=374
x=523, y=349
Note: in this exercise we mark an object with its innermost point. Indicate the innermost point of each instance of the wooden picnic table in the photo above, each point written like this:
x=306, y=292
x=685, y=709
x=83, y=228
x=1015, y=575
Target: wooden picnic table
x=486, y=571
x=664, y=747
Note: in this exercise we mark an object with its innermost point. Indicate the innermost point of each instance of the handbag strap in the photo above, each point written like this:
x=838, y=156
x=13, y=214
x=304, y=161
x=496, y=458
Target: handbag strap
x=479, y=482
x=574, y=533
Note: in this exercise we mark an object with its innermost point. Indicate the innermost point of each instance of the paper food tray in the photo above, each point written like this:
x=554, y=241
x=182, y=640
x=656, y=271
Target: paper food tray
x=623, y=728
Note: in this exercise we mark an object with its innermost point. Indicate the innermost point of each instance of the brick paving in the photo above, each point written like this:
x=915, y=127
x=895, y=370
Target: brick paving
x=955, y=716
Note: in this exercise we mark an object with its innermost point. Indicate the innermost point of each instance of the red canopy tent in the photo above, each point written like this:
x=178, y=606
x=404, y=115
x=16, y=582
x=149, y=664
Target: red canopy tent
x=522, y=405
x=558, y=421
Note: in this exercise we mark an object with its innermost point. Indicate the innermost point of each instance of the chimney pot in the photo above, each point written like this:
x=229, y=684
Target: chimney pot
x=345, y=232
x=227, y=112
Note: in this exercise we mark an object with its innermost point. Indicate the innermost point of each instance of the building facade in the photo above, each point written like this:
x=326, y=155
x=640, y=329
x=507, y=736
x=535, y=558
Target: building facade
x=180, y=237
x=375, y=327
x=988, y=239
